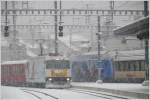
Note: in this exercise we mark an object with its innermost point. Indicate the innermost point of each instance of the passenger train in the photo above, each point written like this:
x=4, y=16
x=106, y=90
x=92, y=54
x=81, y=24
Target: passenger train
x=49, y=72
x=123, y=69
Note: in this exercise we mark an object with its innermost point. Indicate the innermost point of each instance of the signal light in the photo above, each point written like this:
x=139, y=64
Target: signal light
x=6, y=28
x=60, y=31
x=61, y=28
x=60, y=34
x=6, y=33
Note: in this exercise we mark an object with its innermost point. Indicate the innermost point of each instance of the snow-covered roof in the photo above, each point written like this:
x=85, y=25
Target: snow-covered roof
x=15, y=62
x=132, y=27
x=55, y=58
x=122, y=55
x=130, y=55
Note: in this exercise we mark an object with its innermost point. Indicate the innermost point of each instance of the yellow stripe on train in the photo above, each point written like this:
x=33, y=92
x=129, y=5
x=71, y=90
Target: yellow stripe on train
x=129, y=74
x=57, y=72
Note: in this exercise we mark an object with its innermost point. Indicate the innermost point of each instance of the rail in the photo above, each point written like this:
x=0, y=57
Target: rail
x=30, y=91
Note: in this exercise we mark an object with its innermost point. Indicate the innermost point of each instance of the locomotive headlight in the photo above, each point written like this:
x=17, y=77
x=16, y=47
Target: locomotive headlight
x=50, y=79
x=68, y=79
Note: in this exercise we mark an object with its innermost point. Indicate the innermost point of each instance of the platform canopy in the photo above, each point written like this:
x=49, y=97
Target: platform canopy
x=141, y=25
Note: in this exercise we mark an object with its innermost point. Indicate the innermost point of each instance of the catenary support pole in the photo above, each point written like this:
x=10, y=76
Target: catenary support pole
x=146, y=43
x=98, y=40
x=56, y=38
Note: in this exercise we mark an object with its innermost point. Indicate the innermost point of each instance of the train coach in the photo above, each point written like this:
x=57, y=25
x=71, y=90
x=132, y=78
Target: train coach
x=29, y=72
x=13, y=73
x=129, y=70
x=118, y=70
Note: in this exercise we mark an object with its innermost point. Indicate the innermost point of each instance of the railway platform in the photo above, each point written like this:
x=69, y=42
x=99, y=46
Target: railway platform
x=133, y=90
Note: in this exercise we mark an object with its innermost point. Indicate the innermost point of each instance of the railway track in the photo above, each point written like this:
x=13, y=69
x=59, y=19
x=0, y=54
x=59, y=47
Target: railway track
x=35, y=94
x=98, y=94
x=102, y=95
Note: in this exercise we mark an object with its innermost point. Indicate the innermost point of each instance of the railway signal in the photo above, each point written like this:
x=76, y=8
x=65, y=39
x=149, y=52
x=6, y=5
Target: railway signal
x=60, y=31
x=60, y=28
x=60, y=34
x=6, y=33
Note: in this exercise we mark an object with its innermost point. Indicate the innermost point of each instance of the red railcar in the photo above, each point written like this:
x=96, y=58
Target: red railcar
x=13, y=73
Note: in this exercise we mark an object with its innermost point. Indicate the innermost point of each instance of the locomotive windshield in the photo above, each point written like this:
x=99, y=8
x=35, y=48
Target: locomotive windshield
x=57, y=64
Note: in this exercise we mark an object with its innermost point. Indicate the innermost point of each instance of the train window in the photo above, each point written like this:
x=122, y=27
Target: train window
x=18, y=68
x=21, y=69
x=142, y=65
x=126, y=65
x=12, y=69
x=119, y=68
x=137, y=65
x=9, y=69
x=50, y=64
x=64, y=64
x=2, y=70
x=116, y=65
x=134, y=65
x=55, y=64
x=6, y=70
x=131, y=66
x=122, y=66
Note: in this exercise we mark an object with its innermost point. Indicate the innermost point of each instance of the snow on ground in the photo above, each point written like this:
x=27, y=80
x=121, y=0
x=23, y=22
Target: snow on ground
x=14, y=93
x=131, y=87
